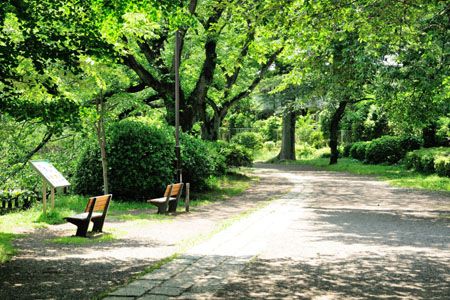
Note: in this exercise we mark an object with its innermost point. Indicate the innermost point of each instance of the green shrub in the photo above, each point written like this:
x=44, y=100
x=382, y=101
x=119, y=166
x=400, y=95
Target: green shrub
x=304, y=151
x=249, y=140
x=141, y=161
x=346, y=150
x=197, y=162
x=358, y=150
x=237, y=156
x=88, y=179
x=269, y=145
x=442, y=165
x=428, y=160
x=390, y=149
x=409, y=143
x=386, y=149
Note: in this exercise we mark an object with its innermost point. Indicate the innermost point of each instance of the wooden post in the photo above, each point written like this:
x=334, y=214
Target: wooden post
x=53, y=197
x=44, y=195
x=186, y=201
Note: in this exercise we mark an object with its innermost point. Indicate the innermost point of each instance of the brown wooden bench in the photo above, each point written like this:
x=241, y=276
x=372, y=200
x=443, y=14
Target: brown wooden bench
x=96, y=210
x=170, y=200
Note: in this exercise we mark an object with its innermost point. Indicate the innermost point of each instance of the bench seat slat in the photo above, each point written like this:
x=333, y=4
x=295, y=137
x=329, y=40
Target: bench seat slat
x=161, y=200
x=84, y=216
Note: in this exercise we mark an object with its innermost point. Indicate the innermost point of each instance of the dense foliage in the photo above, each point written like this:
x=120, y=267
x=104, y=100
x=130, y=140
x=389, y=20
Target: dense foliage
x=249, y=140
x=142, y=161
x=430, y=160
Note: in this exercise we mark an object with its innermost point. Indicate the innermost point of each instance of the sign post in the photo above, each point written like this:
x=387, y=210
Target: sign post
x=50, y=175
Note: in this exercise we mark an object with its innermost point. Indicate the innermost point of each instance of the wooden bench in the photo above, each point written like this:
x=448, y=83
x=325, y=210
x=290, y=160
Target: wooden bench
x=96, y=210
x=170, y=200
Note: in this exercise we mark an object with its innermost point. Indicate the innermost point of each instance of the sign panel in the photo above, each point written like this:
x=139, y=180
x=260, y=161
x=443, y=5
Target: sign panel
x=50, y=174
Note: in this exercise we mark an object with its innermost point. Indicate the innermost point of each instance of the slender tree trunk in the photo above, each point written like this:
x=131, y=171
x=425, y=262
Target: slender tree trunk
x=334, y=131
x=101, y=138
x=287, y=151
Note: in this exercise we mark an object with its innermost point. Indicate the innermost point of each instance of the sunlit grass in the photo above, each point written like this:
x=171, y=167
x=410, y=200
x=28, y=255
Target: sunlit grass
x=396, y=175
x=221, y=188
x=265, y=155
x=75, y=240
x=141, y=216
x=6, y=248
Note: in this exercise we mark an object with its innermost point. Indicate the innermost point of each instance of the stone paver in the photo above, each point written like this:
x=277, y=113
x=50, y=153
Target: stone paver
x=333, y=236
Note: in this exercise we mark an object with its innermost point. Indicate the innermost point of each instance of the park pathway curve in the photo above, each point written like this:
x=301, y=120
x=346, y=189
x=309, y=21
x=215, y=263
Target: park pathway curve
x=333, y=236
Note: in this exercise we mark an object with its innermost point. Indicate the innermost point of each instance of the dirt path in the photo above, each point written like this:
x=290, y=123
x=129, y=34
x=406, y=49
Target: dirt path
x=334, y=236
x=45, y=270
x=351, y=237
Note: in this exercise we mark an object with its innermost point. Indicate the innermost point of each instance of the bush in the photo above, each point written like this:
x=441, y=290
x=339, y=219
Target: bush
x=385, y=149
x=346, y=150
x=141, y=161
x=429, y=160
x=390, y=149
x=199, y=161
x=304, y=151
x=409, y=143
x=249, y=140
x=269, y=145
x=237, y=156
x=358, y=150
x=442, y=165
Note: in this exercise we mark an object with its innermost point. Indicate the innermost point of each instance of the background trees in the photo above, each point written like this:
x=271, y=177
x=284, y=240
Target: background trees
x=372, y=67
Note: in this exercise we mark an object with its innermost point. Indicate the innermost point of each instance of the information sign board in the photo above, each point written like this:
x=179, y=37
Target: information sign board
x=50, y=173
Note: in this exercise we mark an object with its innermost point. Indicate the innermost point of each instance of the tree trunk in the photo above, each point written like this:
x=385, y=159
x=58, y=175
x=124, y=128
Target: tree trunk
x=334, y=131
x=101, y=138
x=211, y=129
x=287, y=151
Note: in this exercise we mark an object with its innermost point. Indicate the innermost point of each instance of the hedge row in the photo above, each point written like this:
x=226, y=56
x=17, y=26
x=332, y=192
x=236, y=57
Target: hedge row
x=141, y=161
x=387, y=149
x=430, y=160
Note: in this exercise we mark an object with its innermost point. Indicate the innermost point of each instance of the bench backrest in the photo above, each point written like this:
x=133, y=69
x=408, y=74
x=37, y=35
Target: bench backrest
x=177, y=188
x=101, y=203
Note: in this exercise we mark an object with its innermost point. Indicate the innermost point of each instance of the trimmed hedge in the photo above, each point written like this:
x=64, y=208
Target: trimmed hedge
x=237, y=156
x=358, y=150
x=387, y=149
x=429, y=160
x=141, y=161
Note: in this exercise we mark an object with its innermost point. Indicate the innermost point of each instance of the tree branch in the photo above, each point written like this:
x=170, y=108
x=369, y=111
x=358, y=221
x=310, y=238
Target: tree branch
x=254, y=83
x=47, y=136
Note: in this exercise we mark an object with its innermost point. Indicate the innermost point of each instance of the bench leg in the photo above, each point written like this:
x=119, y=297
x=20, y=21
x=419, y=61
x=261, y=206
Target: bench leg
x=98, y=224
x=82, y=229
x=162, y=208
x=173, y=206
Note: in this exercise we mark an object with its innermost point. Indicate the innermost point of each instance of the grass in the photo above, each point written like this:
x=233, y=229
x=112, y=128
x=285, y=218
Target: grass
x=6, y=248
x=11, y=224
x=221, y=188
x=75, y=240
x=396, y=175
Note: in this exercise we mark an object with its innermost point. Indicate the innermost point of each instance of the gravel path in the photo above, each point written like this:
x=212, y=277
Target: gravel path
x=333, y=236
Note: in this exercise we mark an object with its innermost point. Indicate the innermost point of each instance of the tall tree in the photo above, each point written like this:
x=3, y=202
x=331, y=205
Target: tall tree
x=227, y=48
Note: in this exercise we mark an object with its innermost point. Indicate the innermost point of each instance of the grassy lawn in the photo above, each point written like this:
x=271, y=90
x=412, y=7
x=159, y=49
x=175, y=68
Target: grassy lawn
x=15, y=223
x=396, y=175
